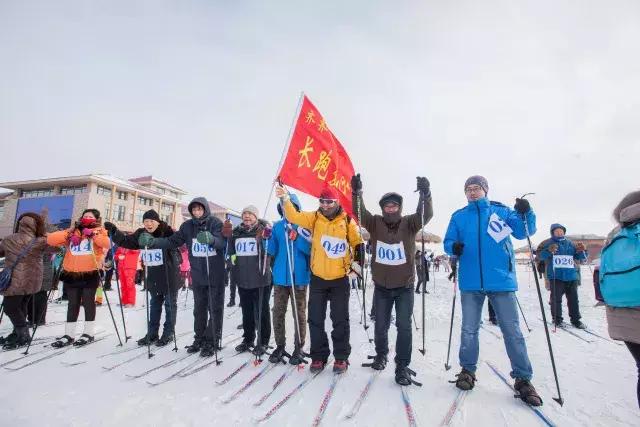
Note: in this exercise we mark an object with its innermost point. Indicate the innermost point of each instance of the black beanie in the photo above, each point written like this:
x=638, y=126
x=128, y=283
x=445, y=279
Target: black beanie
x=151, y=214
x=95, y=212
x=391, y=198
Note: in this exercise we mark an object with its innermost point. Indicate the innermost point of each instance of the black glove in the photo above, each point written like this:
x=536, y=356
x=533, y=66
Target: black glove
x=356, y=184
x=423, y=185
x=454, y=271
x=522, y=206
x=457, y=248
x=110, y=227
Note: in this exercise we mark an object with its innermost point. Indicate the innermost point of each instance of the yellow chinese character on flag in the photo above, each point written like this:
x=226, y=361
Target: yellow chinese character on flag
x=304, y=153
x=322, y=165
x=309, y=119
x=322, y=126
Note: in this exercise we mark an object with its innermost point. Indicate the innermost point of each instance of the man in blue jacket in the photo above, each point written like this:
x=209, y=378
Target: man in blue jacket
x=479, y=236
x=290, y=265
x=560, y=255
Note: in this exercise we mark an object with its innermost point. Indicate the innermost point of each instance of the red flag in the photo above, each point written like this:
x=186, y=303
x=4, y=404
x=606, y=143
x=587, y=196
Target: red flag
x=316, y=160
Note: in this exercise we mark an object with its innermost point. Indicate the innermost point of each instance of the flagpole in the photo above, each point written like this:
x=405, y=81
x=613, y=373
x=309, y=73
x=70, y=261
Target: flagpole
x=284, y=151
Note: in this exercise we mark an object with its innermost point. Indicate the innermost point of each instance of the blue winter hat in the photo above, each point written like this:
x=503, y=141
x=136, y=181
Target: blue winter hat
x=554, y=226
x=477, y=180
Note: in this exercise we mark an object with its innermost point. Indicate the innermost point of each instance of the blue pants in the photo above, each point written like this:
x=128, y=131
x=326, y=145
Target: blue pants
x=169, y=302
x=504, y=304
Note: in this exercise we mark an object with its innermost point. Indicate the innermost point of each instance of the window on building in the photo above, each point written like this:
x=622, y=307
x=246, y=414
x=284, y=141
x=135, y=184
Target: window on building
x=168, y=218
x=145, y=201
x=174, y=194
x=167, y=207
x=2, y=208
x=105, y=191
x=138, y=216
x=107, y=210
x=41, y=192
x=119, y=212
x=74, y=189
x=122, y=195
x=161, y=190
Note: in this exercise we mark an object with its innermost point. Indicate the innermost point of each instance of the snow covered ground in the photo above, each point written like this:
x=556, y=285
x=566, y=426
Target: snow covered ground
x=597, y=378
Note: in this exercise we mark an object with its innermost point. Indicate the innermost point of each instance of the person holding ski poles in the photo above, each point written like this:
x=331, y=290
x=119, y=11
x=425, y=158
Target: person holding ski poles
x=290, y=265
x=560, y=255
x=163, y=266
x=247, y=247
x=335, y=238
x=479, y=236
x=393, y=269
x=203, y=236
x=86, y=243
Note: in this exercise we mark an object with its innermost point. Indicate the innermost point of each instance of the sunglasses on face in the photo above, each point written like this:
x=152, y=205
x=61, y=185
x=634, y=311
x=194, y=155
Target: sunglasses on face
x=327, y=201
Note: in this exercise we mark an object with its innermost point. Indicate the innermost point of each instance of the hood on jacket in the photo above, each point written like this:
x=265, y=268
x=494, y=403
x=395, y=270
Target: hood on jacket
x=294, y=200
x=201, y=201
x=27, y=225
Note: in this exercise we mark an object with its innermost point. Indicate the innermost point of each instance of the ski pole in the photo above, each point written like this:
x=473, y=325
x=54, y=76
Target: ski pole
x=522, y=313
x=454, y=268
x=558, y=399
x=211, y=308
x=423, y=350
x=171, y=312
x=414, y=321
x=2, y=311
x=146, y=288
x=364, y=262
x=115, y=271
x=106, y=297
x=294, y=308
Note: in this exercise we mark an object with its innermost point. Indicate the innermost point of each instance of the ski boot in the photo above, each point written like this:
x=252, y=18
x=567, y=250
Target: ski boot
x=165, y=339
x=63, y=341
x=466, y=380
x=11, y=336
x=244, y=346
x=317, y=366
x=148, y=340
x=340, y=366
x=259, y=350
x=19, y=339
x=278, y=355
x=298, y=356
x=579, y=325
x=379, y=362
x=404, y=376
x=207, y=350
x=83, y=340
x=527, y=392
x=195, y=347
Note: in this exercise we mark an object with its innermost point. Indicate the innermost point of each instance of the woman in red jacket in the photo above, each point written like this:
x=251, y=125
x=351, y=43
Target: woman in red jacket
x=127, y=260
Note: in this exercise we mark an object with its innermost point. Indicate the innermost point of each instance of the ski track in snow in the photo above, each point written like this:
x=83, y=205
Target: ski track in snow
x=597, y=379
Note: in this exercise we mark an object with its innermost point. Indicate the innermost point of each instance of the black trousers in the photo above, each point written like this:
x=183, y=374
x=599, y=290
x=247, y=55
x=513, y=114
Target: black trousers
x=37, y=308
x=570, y=289
x=108, y=275
x=635, y=352
x=85, y=297
x=208, y=305
x=253, y=311
x=15, y=307
x=385, y=299
x=336, y=293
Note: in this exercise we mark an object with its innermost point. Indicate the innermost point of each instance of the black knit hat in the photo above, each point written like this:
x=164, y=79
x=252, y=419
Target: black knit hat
x=151, y=214
x=94, y=212
x=391, y=198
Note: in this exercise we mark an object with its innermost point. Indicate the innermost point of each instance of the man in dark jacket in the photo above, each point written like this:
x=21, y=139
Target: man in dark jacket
x=393, y=269
x=253, y=278
x=203, y=236
x=163, y=270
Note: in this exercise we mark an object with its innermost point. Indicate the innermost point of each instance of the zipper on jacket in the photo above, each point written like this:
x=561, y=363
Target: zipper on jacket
x=480, y=249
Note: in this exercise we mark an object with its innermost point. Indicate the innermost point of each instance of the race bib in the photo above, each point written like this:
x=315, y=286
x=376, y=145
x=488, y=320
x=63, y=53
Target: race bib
x=305, y=233
x=498, y=229
x=390, y=253
x=151, y=257
x=84, y=248
x=563, y=261
x=201, y=250
x=334, y=247
x=246, y=246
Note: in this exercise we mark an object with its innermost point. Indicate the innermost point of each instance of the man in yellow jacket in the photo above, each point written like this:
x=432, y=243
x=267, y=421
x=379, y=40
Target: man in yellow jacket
x=336, y=246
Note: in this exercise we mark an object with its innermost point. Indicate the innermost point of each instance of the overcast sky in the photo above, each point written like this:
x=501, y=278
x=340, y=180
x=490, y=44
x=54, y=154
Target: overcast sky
x=538, y=96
